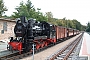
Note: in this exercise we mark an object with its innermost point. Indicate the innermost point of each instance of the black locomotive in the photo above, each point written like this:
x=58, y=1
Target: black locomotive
x=28, y=32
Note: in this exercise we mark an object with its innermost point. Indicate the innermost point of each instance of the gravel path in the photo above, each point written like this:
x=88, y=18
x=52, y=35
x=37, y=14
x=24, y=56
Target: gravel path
x=47, y=52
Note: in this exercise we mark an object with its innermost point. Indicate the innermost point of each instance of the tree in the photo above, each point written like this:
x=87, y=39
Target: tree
x=24, y=10
x=64, y=18
x=83, y=28
x=28, y=10
x=70, y=24
x=88, y=27
x=49, y=16
x=2, y=8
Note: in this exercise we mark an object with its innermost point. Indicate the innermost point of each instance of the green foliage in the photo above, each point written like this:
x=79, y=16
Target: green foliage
x=88, y=27
x=50, y=18
x=83, y=27
x=28, y=10
x=2, y=8
x=69, y=23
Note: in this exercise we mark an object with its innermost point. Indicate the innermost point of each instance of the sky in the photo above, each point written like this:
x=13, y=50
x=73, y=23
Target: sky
x=71, y=9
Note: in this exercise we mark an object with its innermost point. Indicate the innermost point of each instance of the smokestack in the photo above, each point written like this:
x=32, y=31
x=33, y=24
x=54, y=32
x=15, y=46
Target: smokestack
x=22, y=18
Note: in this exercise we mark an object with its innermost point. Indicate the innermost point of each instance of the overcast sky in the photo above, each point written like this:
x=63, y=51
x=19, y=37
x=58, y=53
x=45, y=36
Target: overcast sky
x=71, y=9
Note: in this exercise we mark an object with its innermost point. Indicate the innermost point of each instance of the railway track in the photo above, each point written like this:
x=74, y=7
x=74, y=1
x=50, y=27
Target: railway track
x=16, y=56
x=67, y=51
x=7, y=55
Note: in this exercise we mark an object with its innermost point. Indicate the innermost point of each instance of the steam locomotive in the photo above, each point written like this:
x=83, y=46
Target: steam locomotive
x=28, y=32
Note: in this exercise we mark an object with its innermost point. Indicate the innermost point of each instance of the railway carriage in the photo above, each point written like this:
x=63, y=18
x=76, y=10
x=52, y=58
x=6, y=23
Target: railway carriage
x=61, y=32
x=39, y=33
x=70, y=32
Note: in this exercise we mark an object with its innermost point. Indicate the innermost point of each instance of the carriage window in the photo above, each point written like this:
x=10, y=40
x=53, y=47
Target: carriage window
x=5, y=26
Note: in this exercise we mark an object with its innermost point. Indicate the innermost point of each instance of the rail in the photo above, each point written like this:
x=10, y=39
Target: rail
x=64, y=53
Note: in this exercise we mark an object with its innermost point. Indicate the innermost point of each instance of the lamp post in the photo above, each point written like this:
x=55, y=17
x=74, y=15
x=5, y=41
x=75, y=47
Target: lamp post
x=33, y=50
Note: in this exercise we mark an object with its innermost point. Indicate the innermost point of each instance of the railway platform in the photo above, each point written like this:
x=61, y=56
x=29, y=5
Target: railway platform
x=85, y=47
x=3, y=45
